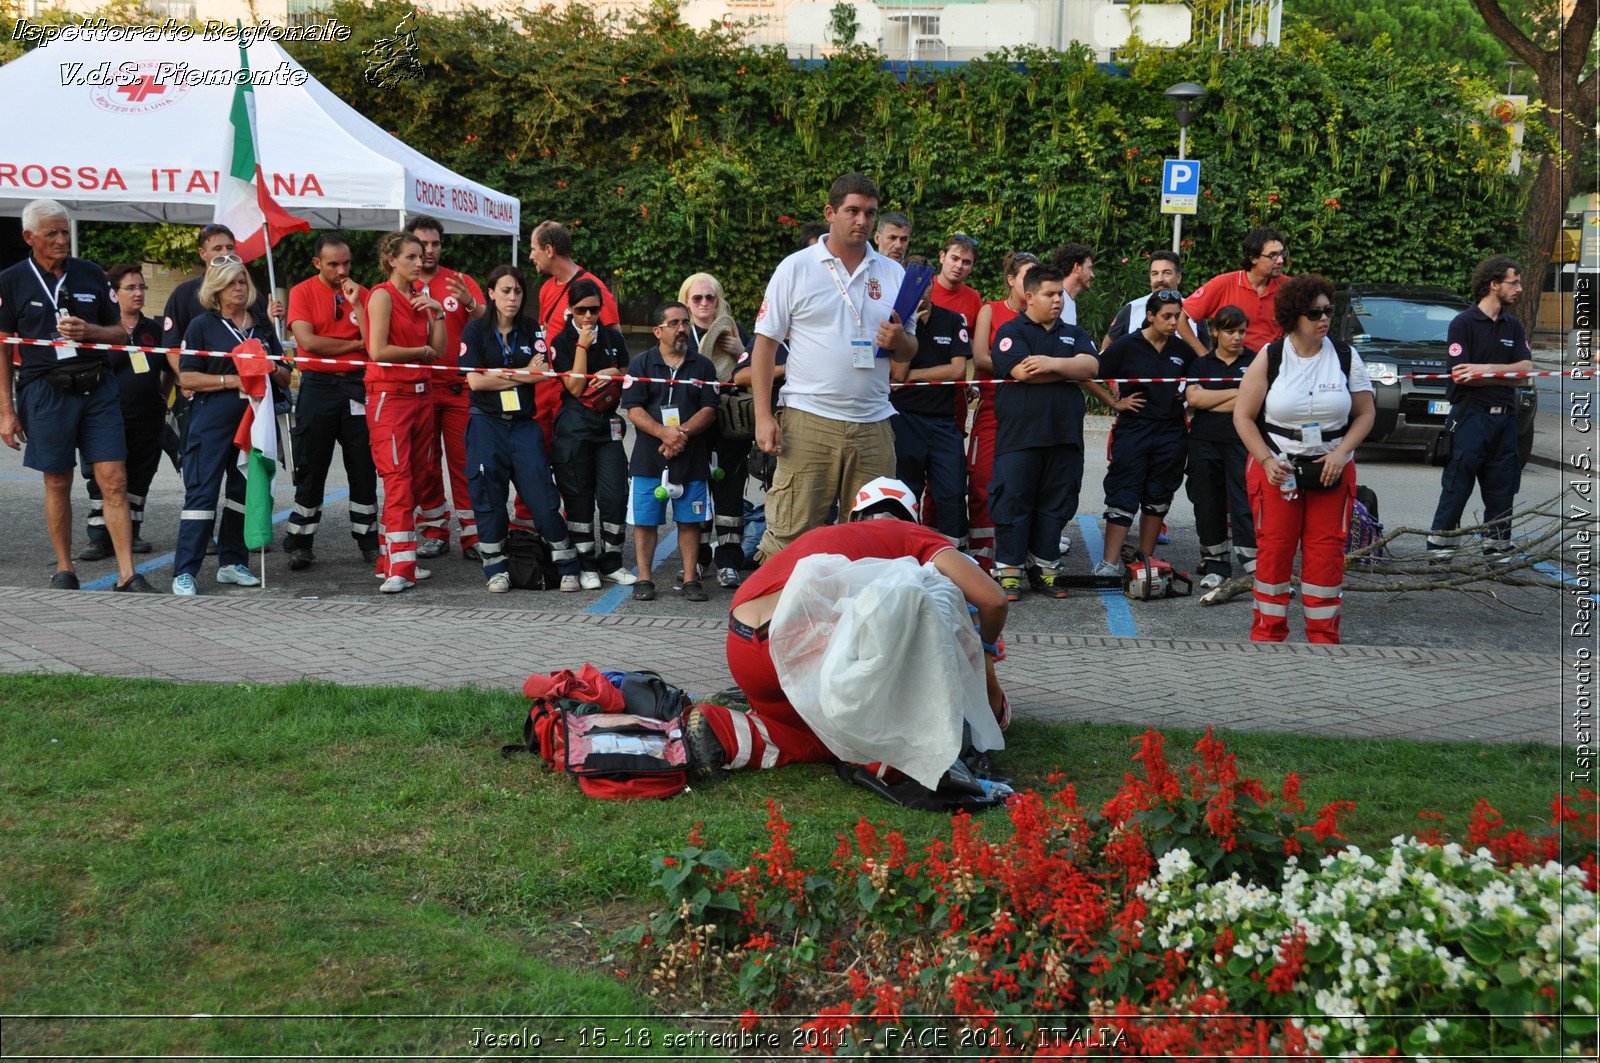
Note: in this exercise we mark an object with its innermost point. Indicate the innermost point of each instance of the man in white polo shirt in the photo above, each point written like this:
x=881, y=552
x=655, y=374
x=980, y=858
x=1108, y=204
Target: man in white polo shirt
x=834, y=304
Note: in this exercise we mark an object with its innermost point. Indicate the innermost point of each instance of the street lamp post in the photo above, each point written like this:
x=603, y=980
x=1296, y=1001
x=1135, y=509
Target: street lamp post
x=1183, y=96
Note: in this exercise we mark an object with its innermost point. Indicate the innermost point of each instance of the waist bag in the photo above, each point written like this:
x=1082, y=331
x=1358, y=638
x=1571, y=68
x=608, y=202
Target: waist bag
x=602, y=393
x=623, y=743
x=76, y=379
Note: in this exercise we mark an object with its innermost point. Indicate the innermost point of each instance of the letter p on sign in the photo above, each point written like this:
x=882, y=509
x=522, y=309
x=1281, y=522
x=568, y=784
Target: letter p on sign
x=1180, y=186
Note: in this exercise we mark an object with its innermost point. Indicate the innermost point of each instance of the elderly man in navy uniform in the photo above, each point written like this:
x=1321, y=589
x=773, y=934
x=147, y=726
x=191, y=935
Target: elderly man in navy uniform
x=1484, y=339
x=65, y=401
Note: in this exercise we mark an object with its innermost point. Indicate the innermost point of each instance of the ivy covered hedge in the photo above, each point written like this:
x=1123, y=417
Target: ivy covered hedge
x=670, y=150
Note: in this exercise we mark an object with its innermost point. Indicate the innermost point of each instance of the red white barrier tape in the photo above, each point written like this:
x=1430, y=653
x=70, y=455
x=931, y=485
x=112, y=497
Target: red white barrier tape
x=309, y=360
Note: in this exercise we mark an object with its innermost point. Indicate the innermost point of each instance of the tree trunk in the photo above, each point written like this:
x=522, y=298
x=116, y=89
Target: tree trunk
x=1571, y=103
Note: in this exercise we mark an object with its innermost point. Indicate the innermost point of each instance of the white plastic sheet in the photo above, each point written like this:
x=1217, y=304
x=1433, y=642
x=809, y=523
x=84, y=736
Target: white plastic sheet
x=880, y=658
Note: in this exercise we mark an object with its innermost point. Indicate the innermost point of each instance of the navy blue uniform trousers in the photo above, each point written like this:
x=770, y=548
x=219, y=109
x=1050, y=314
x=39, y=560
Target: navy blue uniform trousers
x=502, y=451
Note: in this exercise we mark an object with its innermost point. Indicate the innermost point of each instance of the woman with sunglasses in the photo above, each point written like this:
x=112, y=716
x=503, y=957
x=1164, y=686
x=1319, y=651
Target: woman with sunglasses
x=590, y=465
x=1147, y=443
x=980, y=446
x=505, y=443
x=716, y=335
x=1216, y=454
x=406, y=329
x=1304, y=406
x=209, y=456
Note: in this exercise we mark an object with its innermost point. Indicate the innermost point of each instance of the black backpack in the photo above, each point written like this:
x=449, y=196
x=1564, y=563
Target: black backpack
x=529, y=562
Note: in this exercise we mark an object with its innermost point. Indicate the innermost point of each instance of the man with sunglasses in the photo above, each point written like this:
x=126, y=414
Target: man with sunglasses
x=1253, y=289
x=64, y=405
x=331, y=406
x=463, y=301
x=1166, y=274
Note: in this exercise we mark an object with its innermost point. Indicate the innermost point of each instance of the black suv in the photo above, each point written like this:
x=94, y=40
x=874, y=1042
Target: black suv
x=1399, y=329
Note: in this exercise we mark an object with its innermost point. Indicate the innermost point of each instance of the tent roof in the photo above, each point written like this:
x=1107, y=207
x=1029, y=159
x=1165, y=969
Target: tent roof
x=150, y=148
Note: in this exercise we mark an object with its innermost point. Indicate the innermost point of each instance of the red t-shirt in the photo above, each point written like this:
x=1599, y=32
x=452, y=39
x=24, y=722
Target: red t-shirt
x=999, y=314
x=1234, y=289
x=857, y=540
x=408, y=327
x=455, y=315
x=324, y=310
x=553, y=304
x=965, y=301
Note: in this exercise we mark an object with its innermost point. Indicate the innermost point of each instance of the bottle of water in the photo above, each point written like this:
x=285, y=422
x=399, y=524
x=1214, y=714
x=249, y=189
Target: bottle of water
x=1290, y=485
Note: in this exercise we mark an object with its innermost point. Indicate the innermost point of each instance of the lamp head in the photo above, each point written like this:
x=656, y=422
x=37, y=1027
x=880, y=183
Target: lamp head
x=1183, y=96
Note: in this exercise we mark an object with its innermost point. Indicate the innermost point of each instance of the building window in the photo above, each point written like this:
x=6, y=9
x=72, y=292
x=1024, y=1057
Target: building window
x=304, y=13
x=182, y=10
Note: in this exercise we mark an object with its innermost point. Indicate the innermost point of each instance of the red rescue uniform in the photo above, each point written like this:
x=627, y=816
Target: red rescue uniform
x=980, y=450
x=772, y=733
x=399, y=421
x=450, y=410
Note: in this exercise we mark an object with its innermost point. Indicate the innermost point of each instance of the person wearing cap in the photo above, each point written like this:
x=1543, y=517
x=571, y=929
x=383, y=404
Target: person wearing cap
x=883, y=524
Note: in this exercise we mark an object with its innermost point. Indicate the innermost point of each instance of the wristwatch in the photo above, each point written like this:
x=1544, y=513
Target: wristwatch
x=438, y=315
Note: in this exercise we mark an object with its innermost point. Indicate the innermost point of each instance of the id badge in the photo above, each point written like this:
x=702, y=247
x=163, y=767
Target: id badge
x=669, y=417
x=357, y=409
x=510, y=401
x=862, y=355
x=141, y=364
x=66, y=353
x=616, y=430
x=1311, y=434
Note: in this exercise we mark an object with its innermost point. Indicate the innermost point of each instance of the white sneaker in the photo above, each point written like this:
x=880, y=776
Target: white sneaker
x=622, y=577
x=1211, y=581
x=1065, y=544
x=728, y=578
x=1107, y=568
x=570, y=584
x=432, y=547
x=424, y=573
x=183, y=585
x=589, y=581
x=499, y=583
x=237, y=574
x=395, y=584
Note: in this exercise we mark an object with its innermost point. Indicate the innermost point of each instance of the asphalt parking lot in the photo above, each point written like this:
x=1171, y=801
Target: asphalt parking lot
x=1511, y=619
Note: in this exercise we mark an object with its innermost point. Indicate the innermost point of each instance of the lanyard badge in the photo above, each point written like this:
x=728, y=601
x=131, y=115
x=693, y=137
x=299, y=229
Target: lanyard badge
x=863, y=355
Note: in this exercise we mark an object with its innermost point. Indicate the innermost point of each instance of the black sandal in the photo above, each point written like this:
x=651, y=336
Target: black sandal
x=644, y=591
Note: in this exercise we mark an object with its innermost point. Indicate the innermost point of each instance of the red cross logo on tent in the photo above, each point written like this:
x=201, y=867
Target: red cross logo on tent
x=139, y=89
x=143, y=88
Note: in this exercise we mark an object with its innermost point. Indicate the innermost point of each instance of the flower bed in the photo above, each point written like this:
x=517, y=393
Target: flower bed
x=1200, y=916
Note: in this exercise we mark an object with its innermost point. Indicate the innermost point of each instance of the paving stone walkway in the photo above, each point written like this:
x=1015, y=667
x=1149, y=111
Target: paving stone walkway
x=1348, y=691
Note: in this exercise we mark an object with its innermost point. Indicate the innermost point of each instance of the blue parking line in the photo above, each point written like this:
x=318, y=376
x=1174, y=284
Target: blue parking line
x=611, y=599
x=1119, y=615
x=157, y=563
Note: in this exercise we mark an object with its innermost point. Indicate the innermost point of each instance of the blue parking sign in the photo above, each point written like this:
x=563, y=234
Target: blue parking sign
x=1180, y=186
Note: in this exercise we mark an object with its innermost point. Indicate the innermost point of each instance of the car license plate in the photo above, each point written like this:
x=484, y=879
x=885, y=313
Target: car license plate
x=1441, y=408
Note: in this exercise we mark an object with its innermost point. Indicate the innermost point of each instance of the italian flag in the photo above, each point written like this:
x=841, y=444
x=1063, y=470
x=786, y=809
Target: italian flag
x=243, y=203
x=257, y=440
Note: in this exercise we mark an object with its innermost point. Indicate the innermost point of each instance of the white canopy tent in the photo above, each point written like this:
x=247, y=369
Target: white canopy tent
x=134, y=131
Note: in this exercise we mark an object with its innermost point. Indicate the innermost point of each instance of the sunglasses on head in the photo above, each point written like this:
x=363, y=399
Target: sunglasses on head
x=964, y=238
x=227, y=260
x=1317, y=313
x=1169, y=293
x=1024, y=256
x=585, y=310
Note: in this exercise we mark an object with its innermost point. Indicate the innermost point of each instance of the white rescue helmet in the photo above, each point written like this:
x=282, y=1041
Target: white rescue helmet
x=885, y=489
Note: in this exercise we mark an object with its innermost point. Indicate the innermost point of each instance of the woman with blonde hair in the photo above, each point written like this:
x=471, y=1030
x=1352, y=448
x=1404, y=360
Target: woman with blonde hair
x=406, y=328
x=716, y=335
x=210, y=457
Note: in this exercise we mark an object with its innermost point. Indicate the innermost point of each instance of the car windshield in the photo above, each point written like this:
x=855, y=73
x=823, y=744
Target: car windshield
x=1403, y=320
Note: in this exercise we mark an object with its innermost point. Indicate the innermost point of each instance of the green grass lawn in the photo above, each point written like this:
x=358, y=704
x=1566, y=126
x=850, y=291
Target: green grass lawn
x=320, y=850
